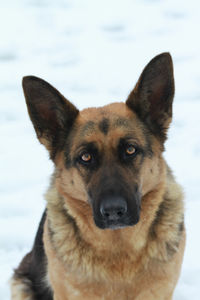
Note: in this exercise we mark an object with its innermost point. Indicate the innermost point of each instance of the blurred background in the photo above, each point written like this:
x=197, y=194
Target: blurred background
x=93, y=52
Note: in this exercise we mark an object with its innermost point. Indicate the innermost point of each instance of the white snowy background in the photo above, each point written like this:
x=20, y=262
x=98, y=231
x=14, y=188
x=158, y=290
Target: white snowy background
x=93, y=52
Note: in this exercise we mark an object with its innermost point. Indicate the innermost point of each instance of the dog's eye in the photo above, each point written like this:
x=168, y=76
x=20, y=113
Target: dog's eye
x=130, y=150
x=86, y=157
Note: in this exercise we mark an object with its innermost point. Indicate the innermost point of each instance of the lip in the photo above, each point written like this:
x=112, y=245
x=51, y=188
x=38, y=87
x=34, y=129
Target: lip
x=102, y=224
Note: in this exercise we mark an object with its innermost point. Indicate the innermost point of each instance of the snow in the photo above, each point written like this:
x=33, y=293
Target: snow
x=93, y=52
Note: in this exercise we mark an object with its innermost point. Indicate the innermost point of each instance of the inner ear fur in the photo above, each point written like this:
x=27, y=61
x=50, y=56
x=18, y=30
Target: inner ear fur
x=153, y=95
x=51, y=113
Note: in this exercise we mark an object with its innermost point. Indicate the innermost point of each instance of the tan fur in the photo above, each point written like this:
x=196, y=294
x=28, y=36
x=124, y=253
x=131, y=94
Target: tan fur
x=136, y=264
x=19, y=290
x=129, y=263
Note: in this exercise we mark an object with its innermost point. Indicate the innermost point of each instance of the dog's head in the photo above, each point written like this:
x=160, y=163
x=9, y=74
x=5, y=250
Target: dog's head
x=106, y=158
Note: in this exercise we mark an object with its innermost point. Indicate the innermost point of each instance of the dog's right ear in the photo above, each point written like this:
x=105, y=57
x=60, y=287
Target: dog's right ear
x=52, y=115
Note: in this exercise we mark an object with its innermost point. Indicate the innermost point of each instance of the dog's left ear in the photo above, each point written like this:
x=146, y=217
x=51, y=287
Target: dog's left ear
x=153, y=95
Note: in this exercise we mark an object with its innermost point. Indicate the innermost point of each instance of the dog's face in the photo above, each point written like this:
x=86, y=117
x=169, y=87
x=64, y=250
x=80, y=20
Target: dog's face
x=106, y=150
x=109, y=157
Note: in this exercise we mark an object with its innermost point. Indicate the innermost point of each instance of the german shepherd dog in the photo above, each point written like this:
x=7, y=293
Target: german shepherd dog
x=113, y=227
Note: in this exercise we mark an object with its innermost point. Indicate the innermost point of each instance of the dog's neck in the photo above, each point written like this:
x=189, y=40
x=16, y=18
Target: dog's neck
x=76, y=233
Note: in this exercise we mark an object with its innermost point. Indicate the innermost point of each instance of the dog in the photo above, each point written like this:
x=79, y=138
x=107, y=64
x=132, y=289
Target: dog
x=113, y=227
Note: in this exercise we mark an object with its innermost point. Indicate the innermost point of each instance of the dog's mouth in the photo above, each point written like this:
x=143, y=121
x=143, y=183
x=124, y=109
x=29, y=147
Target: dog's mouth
x=115, y=224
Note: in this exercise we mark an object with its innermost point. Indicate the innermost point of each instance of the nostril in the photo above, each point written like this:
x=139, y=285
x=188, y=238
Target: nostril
x=120, y=213
x=104, y=212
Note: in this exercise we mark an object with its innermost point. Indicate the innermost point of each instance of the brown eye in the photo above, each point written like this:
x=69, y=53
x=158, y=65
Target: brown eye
x=130, y=150
x=86, y=157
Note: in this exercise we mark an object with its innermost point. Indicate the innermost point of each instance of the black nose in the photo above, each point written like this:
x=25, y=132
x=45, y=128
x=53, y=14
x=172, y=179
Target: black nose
x=113, y=208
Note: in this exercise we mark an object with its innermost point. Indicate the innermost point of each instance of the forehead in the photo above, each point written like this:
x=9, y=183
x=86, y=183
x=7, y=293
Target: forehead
x=109, y=123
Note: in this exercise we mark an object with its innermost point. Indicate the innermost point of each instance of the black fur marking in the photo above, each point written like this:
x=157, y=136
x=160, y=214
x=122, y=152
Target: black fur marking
x=123, y=122
x=93, y=150
x=33, y=267
x=171, y=245
x=67, y=148
x=87, y=129
x=104, y=126
x=128, y=159
x=159, y=215
x=68, y=160
x=181, y=227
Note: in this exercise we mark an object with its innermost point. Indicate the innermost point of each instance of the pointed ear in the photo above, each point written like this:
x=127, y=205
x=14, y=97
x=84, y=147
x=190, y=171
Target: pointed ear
x=51, y=114
x=153, y=95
